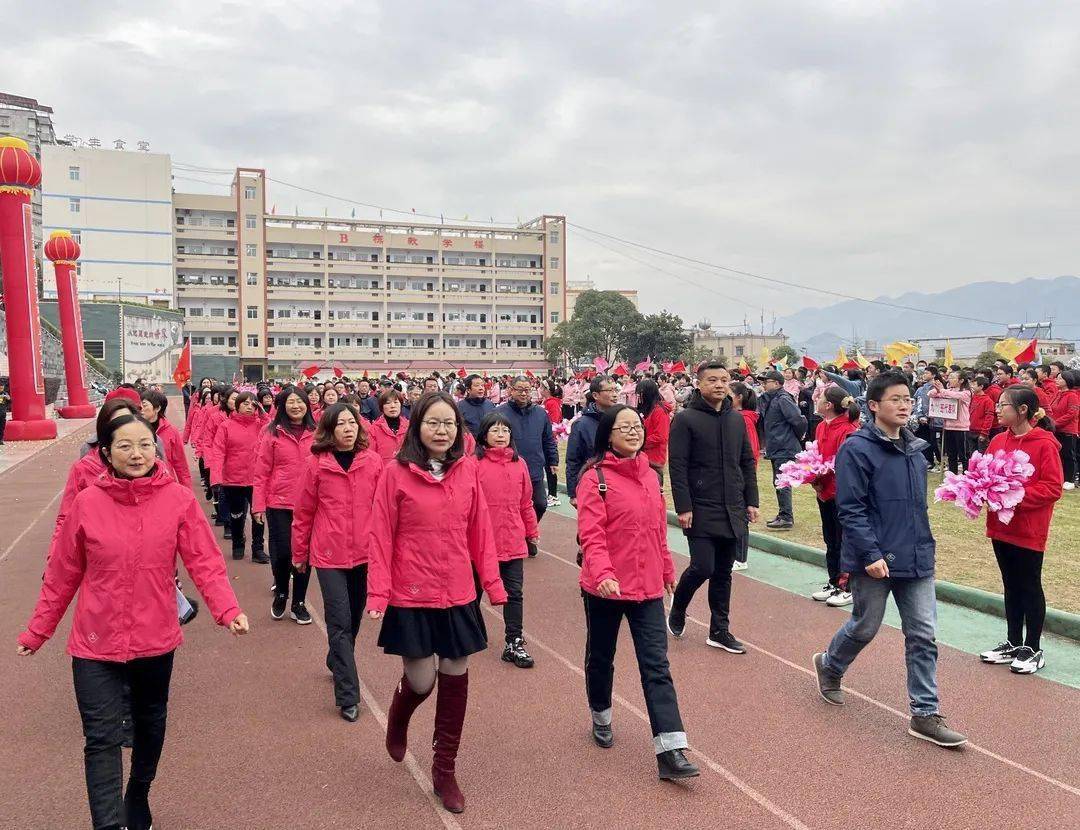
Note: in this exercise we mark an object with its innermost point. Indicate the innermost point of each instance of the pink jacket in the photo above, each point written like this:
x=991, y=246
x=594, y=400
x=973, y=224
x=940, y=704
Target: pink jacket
x=508, y=492
x=279, y=464
x=194, y=415
x=332, y=515
x=117, y=548
x=174, y=451
x=232, y=457
x=962, y=421
x=428, y=535
x=208, y=427
x=383, y=441
x=624, y=532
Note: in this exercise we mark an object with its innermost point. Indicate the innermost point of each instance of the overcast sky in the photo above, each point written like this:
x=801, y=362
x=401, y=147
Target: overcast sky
x=869, y=147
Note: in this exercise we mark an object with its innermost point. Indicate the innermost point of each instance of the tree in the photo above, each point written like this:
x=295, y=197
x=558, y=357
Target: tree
x=602, y=321
x=986, y=360
x=659, y=336
x=786, y=353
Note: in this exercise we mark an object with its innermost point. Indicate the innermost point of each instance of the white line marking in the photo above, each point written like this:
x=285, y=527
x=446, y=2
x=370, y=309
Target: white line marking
x=902, y=715
x=30, y=527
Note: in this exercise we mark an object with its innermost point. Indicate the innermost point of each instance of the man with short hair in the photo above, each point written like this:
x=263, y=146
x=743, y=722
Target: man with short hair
x=475, y=405
x=887, y=548
x=784, y=429
x=714, y=487
x=533, y=439
x=369, y=404
x=431, y=384
x=602, y=395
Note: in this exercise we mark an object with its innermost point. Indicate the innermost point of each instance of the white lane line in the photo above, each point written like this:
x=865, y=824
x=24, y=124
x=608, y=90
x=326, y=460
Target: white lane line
x=411, y=764
x=884, y=706
x=29, y=527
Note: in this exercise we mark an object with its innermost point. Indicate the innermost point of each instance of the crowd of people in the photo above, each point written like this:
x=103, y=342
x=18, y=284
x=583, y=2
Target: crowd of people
x=411, y=498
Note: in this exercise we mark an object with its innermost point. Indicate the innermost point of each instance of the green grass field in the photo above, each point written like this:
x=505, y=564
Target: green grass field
x=964, y=554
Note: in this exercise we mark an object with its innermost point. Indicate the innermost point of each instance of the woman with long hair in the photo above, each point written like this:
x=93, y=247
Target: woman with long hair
x=331, y=518
x=1020, y=544
x=431, y=529
x=657, y=419
x=117, y=549
x=232, y=467
x=1066, y=414
x=957, y=442
x=626, y=570
x=282, y=454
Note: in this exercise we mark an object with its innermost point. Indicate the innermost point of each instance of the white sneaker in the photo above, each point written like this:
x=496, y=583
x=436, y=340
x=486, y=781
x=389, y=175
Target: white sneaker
x=840, y=598
x=739, y=566
x=553, y=501
x=827, y=590
x=1068, y=485
x=1001, y=654
x=1027, y=661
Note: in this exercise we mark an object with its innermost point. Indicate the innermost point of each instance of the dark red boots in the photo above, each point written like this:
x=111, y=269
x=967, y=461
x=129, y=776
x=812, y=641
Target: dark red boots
x=449, y=719
x=403, y=705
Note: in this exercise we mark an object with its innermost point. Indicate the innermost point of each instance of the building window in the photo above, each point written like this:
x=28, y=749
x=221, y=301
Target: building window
x=74, y=205
x=249, y=192
x=253, y=312
x=553, y=237
x=251, y=250
x=73, y=173
x=252, y=278
x=253, y=340
x=217, y=312
x=554, y=317
x=95, y=348
x=554, y=288
x=739, y=351
x=217, y=341
x=198, y=340
x=232, y=342
x=249, y=222
x=193, y=312
x=553, y=262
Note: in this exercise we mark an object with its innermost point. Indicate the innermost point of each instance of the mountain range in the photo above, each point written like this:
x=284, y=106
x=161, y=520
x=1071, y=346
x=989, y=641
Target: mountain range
x=990, y=307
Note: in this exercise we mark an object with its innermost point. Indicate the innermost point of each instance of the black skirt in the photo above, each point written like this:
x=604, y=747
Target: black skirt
x=452, y=633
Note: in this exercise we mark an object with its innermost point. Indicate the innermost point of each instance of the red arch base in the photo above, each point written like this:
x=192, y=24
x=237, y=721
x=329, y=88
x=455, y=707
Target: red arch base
x=30, y=430
x=82, y=411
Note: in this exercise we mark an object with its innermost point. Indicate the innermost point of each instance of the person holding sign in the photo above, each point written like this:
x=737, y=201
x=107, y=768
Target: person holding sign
x=953, y=405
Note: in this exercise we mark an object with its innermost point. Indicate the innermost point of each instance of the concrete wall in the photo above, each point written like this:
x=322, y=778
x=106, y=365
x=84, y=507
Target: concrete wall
x=213, y=366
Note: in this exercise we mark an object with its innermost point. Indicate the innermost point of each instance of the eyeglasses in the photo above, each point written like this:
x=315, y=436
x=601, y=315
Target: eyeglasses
x=522, y=389
x=435, y=426
x=628, y=429
x=499, y=429
x=896, y=400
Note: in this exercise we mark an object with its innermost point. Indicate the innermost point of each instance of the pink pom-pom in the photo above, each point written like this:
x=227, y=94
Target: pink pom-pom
x=996, y=481
x=805, y=468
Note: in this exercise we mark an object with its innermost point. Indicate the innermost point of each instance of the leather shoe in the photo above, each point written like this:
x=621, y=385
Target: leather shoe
x=673, y=766
x=603, y=736
x=350, y=713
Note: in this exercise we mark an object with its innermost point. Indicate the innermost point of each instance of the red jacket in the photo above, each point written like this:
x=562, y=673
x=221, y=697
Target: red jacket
x=117, y=548
x=508, y=492
x=383, y=440
x=208, y=427
x=1031, y=522
x=1065, y=409
x=750, y=418
x=332, y=514
x=829, y=436
x=993, y=391
x=174, y=451
x=983, y=415
x=279, y=463
x=428, y=535
x=624, y=532
x=194, y=415
x=554, y=409
x=232, y=458
x=657, y=430
x=1050, y=387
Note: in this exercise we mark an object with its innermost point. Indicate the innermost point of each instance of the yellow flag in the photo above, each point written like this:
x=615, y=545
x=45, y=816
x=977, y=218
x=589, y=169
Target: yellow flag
x=744, y=367
x=841, y=358
x=896, y=352
x=1009, y=348
x=862, y=361
x=949, y=359
x=764, y=358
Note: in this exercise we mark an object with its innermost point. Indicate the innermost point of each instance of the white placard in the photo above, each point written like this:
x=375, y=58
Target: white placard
x=947, y=408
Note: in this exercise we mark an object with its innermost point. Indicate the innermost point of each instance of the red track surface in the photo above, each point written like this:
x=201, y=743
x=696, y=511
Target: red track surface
x=255, y=741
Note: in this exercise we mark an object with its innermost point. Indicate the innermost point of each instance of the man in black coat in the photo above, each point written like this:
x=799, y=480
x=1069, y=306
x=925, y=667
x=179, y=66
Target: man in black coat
x=785, y=428
x=714, y=485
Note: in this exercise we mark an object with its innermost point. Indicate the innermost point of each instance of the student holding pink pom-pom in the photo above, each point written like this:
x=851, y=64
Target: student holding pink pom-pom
x=1020, y=542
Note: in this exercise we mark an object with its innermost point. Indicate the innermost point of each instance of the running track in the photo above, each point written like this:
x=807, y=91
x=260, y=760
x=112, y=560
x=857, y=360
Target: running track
x=255, y=741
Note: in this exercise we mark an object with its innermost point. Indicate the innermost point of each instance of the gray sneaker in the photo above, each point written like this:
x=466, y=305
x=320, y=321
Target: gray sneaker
x=932, y=728
x=828, y=684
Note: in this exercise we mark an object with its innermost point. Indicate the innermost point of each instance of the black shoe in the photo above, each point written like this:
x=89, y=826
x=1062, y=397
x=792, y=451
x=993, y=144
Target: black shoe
x=299, y=613
x=603, y=736
x=676, y=624
x=259, y=557
x=780, y=524
x=673, y=766
x=137, y=808
x=350, y=713
x=515, y=653
x=531, y=545
x=725, y=641
x=237, y=553
x=277, y=608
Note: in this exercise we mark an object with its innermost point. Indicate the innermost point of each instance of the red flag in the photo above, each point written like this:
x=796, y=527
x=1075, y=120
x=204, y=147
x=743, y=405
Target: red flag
x=620, y=370
x=666, y=366
x=851, y=364
x=809, y=363
x=1028, y=354
x=678, y=367
x=529, y=374
x=311, y=371
x=337, y=372
x=182, y=373
x=461, y=372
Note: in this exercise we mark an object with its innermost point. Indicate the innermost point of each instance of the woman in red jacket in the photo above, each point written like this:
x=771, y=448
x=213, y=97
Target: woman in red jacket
x=329, y=529
x=551, y=395
x=431, y=529
x=657, y=419
x=196, y=420
x=232, y=466
x=508, y=491
x=745, y=401
x=389, y=430
x=314, y=399
x=840, y=417
x=982, y=413
x=154, y=405
x=1066, y=414
x=117, y=549
x=284, y=450
x=1019, y=545
x=625, y=571
x=224, y=398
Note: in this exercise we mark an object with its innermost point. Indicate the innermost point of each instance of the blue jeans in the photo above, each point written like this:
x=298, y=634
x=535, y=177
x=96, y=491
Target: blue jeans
x=916, y=602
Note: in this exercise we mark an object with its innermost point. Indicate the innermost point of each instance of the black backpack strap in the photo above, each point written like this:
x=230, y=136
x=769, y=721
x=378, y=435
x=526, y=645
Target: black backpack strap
x=601, y=485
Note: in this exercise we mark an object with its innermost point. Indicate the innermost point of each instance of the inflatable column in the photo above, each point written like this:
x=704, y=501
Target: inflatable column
x=64, y=251
x=19, y=172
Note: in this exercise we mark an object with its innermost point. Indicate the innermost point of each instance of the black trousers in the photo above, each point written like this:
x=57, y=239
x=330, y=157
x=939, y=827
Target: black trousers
x=552, y=483
x=3, y=423
x=344, y=592
x=1025, y=603
x=603, y=618
x=981, y=442
x=204, y=474
x=100, y=694
x=279, y=529
x=238, y=504
x=832, y=533
x=930, y=434
x=539, y=498
x=1068, y=455
x=957, y=449
x=513, y=579
x=711, y=558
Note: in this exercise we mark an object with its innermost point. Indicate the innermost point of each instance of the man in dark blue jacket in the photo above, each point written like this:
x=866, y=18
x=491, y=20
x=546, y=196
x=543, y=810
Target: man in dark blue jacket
x=533, y=438
x=602, y=395
x=369, y=403
x=888, y=548
x=784, y=429
x=475, y=405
